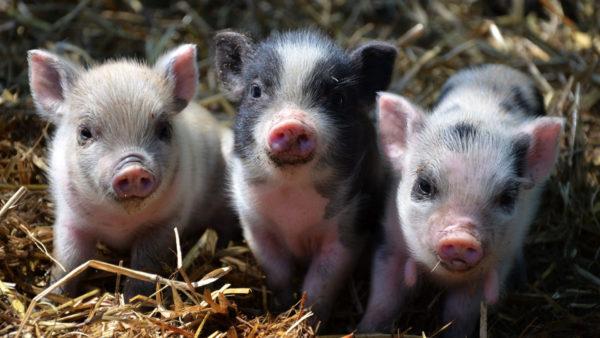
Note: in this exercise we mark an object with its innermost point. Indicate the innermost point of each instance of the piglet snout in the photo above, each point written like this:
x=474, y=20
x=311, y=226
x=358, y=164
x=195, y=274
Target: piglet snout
x=133, y=180
x=459, y=251
x=291, y=142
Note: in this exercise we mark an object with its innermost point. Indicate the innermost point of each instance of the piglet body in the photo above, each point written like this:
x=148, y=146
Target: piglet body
x=131, y=158
x=306, y=172
x=468, y=182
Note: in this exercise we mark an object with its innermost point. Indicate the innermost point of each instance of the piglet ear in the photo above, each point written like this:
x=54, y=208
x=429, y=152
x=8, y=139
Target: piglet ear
x=544, y=133
x=50, y=77
x=375, y=63
x=398, y=119
x=180, y=68
x=232, y=50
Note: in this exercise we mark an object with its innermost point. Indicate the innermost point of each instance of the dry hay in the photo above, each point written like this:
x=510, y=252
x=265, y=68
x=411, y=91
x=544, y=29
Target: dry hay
x=562, y=296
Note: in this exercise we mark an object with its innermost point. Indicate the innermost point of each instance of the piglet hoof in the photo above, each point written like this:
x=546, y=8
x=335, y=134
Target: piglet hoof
x=372, y=326
x=320, y=315
x=69, y=287
x=281, y=301
x=134, y=287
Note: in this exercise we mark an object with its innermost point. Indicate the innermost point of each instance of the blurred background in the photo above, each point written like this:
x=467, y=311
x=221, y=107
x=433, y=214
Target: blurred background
x=555, y=42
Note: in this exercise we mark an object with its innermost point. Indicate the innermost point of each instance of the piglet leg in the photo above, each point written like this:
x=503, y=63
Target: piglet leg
x=275, y=260
x=461, y=307
x=152, y=252
x=73, y=246
x=388, y=290
x=328, y=272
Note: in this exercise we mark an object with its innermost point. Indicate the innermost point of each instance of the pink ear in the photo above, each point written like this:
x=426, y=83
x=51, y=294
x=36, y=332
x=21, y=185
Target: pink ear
x=179, y=65
x=542, y=154
x=49, y=79
x=398, y=119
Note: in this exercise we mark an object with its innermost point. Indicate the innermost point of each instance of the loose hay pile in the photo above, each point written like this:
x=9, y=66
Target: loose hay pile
x=434, y=39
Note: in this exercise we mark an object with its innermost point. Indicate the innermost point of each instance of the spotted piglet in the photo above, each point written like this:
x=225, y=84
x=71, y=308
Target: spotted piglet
x=468, y=184
x=131, y=158
x=306, y=172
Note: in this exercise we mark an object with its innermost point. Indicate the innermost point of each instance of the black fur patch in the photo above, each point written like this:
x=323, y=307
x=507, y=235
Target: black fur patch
x=264, y=69
x=539, y=99
x=446, y=89
x=517, y=101
x=232, y=51
x=464, y=130
x=519, y=150
x=374, y=63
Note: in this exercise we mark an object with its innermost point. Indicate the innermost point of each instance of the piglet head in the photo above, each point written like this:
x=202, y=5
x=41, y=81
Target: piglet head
x=466, y=188
x=300, y=97
x=116, y=122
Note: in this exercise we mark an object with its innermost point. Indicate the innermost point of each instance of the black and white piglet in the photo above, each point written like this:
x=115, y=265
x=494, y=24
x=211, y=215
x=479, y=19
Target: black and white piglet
x=131, y=158
x=469, y=178
x=306, y=172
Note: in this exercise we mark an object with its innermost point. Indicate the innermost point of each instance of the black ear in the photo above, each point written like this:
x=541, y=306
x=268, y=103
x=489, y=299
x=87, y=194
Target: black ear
x=232, y=51
x=375, y=63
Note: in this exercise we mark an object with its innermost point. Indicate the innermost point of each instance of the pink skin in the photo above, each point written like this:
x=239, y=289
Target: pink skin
x=458, y=245
x=330, y=267
x=459, y=251
x=280, y=235
x=410, y=273
x=291, y=138
x=73, y=247
x=491, y=287
x=134, y=181
x=388, y=292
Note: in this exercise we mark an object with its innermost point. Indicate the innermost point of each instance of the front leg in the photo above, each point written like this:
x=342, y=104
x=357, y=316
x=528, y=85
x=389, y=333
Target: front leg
x=274, y=259
x=73, y=246
x=329, y=270
x=392, y=271
x=461, y=307
x=152, y=250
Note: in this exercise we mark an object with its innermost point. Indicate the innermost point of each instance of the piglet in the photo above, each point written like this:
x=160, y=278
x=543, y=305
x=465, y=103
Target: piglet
x=468, y=183
x=131, y=158
x=306, y=172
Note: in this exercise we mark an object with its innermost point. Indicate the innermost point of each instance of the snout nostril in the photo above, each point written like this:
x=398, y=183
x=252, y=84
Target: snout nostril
x=145, y=182
x=448, y=250
x=123, y=184
x=302, y=139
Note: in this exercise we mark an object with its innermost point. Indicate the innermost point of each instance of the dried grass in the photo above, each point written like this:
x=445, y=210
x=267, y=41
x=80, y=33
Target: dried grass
x=562, y=297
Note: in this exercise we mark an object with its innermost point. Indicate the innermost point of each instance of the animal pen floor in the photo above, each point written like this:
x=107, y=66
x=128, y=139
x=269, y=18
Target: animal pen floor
x=435, y=38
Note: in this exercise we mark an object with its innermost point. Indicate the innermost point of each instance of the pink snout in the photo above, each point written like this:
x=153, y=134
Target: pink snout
x=291, y=142
x=134, y=181
x=459, y=251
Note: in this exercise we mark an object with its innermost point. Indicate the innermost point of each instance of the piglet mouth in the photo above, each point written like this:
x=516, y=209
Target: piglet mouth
x=289, y=159
x=455, y=265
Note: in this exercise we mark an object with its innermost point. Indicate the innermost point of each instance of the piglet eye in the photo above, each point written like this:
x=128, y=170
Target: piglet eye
x=423, y=189
x=85, y=134
x=164, y=130
x=339, y=99
x=507, y=199
x=255, y=91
